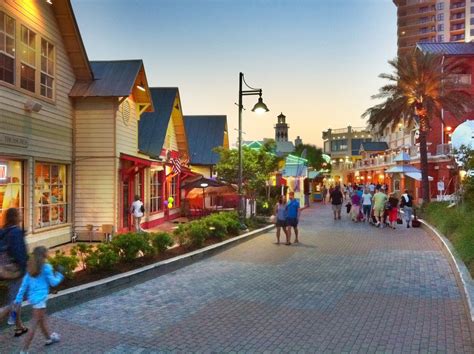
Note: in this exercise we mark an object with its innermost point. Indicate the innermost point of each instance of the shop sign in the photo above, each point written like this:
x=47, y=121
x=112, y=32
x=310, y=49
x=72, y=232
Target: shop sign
x=13, y=140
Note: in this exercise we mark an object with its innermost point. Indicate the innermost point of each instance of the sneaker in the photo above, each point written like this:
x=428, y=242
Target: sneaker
x=11, y=320
x=53, y=338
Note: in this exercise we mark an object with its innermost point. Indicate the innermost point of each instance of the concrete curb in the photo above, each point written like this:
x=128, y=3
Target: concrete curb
x=86, y=292
x=461, y=269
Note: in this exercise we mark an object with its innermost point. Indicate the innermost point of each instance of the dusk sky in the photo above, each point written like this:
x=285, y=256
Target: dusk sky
x=317, y=61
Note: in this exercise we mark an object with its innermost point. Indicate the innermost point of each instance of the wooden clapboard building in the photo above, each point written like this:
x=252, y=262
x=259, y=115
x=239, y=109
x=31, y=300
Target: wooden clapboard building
x=41, y=58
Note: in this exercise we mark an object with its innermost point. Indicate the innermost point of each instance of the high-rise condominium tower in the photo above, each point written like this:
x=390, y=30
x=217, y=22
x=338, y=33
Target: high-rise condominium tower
x=434, y=21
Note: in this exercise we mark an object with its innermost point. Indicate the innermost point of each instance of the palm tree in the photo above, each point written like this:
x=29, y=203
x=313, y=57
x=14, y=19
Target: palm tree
x=420, y=86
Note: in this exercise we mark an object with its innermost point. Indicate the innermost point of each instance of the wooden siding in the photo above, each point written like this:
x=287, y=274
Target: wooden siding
x=96, y=163
x=203, y=170
x=127, y=130
x=48, y=133
x=170, y=139
x=50, y=130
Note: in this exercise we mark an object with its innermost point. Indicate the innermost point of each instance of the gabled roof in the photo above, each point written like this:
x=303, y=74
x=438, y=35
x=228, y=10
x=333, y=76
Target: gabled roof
x=153, y=126
x=72, y=39
x=204, y=134
x=373, y=146
x=111, y=79
x=450, y=48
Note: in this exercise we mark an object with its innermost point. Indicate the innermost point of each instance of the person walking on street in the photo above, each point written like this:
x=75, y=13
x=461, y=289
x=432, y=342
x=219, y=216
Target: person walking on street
x=137, y=209
x=324, y=191
x=393, y=212
x=280, y=214
x=13, y=250
x=336, y=199
x=39, y=278
x=407, y=205
x=355, y=209
x=379, y=199
x=366, y=204
x=292, y=217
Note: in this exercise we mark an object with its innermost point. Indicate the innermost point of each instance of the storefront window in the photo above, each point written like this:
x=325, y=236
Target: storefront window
x=51, y=200
x=173, y=186
x=11, y=187
x=156, y=191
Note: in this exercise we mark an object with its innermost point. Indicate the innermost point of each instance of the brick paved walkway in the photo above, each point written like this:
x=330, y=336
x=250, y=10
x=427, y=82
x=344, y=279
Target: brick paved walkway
x=346, y=288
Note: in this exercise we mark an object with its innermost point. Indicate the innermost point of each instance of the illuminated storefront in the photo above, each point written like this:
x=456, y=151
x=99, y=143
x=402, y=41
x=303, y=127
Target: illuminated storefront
x=11, y=186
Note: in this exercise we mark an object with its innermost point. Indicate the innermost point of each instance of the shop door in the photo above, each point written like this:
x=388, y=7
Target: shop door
x=125, y=205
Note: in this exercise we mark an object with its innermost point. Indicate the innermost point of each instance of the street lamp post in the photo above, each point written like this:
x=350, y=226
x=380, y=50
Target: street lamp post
x=259, y=107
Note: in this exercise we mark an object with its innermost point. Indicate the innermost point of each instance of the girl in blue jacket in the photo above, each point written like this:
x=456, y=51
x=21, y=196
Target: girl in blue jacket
x=39, y=278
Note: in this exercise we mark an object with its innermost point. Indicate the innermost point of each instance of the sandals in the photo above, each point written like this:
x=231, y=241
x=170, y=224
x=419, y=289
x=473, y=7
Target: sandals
x=20, y=331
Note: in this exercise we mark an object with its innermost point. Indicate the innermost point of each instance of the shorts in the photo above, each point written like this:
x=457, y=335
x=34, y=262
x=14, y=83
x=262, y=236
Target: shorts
x=336, y=207
x=379, y=210
x=40, y=305
x=292, y=222
x=280, y=223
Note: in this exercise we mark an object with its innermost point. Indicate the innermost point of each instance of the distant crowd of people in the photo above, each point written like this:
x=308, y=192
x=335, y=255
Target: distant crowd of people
x=370, y=203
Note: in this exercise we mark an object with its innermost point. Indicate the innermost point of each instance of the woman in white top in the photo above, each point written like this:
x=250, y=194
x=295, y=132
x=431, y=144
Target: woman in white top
x=366, y=204
x=137, y=209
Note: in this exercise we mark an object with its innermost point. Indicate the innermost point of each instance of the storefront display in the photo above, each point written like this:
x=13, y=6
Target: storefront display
x=51, y=200
x=156, y=190
x=11, y=186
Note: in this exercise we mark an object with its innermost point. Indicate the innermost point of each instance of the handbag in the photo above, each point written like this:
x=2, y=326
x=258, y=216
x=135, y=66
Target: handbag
x=8, y=269
x=399, y=221
x=273, y=219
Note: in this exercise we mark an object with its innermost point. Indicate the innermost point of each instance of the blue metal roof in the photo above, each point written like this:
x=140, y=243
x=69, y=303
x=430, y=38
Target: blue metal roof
x=152, y=126
x=204, y=133
x=450, y=48
x=111, y=79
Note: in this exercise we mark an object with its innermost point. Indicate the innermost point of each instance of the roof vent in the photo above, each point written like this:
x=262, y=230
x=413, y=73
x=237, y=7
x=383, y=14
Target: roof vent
x=126, y=112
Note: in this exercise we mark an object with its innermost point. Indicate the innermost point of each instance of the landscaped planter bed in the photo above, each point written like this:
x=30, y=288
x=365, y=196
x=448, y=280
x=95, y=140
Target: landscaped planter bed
x=191, y=237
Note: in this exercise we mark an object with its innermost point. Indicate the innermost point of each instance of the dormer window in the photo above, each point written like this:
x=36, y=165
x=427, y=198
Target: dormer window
x=7, y=48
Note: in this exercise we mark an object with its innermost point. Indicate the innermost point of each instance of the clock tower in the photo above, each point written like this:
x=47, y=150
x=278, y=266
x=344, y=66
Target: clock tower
x=281, y=129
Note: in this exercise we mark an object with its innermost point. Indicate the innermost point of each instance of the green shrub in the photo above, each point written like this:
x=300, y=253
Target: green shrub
x=181, y=235
x=81, y=251
x=104, y=257
x=161, y=241
x=217, y=226
x=233, y=223
x=130, y=245
x=197, y=232
x=68, y=263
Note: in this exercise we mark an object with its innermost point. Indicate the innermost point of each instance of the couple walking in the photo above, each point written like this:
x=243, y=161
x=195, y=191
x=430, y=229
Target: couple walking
x=287, y=217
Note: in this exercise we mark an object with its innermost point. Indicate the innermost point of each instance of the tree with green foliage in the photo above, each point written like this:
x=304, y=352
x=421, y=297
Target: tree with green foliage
x=257, y=167
x=420, y=86
x=314, y=156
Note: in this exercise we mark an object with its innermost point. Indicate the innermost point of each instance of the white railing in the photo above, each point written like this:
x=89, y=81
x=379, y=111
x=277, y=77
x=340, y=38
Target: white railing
x=443, y=149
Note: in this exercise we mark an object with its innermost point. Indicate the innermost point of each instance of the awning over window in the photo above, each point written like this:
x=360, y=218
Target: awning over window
x=416, y=175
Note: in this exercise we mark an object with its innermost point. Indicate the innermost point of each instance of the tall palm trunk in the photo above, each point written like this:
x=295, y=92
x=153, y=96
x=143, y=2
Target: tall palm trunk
x=425, y=184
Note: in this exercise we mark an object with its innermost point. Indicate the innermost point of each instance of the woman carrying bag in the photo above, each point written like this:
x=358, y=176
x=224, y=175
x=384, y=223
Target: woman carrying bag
x=13, y=260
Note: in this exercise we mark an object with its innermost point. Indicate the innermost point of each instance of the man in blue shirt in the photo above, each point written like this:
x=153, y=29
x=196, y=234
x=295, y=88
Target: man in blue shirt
x=292, y=216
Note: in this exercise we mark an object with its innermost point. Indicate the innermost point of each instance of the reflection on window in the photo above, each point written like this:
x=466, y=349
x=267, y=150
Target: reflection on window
x=156, y=191
x=7, y=48
x=28, y=59
x=47, y=68
x=50, y=195
x=11, y=187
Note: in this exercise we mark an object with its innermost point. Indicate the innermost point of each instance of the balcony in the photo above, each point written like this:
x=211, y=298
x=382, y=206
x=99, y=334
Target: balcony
x=457, y=27
x=459, y=16
x=458, y=5
x=444, y=149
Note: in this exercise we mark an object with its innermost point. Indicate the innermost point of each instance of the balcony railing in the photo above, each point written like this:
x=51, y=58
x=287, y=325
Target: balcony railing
x=458, y=5
x=458, y=16
x=444, y=149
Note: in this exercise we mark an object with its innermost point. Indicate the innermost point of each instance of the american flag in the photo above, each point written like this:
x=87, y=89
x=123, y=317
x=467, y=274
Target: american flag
x=176, y=165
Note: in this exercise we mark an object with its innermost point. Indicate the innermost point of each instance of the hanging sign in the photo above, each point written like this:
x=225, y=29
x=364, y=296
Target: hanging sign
x=13, y=140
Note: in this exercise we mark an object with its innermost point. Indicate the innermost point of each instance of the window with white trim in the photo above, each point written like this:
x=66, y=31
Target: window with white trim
x=172, y=190
x=51, y=199
x=28, y=59
x=47, y=69
x=156, y=191
x=7, y=48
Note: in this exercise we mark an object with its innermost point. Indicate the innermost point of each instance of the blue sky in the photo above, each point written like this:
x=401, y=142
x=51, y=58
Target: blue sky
x=317, y=61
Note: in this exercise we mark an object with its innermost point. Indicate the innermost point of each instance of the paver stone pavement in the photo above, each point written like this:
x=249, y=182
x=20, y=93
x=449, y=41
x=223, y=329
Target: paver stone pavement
x=347, y=287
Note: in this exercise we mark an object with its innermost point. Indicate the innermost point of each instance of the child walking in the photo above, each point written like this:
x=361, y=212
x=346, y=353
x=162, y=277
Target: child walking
x=39, y=278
